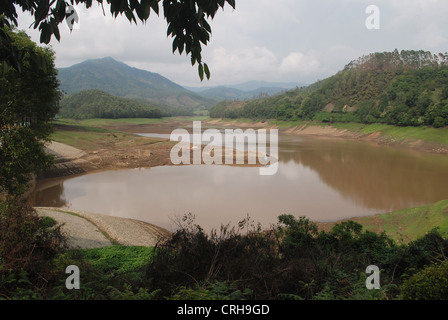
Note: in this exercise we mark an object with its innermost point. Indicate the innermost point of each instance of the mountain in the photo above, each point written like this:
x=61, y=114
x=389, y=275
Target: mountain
x=407, y=88
x=256, y=85
x=121, y=80
x=244, y=91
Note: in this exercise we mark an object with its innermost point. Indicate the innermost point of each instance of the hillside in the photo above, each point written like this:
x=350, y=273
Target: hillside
x=121, y=80
x=407, y=88
x=96, y=103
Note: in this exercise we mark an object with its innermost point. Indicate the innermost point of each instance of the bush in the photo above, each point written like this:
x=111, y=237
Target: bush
x=439, y=122
x=292, y=261
x=27, y=244
x=192, y=257
x=429, y=284
x=212, y=291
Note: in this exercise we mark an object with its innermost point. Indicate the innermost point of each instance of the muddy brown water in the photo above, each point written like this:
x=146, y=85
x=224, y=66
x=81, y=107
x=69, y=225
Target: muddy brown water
x=322, y=179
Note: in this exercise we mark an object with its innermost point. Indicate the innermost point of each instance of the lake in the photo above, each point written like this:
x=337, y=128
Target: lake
x=322, y=179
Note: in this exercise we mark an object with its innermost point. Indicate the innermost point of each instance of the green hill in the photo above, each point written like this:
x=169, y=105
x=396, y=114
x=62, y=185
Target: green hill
x=99, y=104
x=121, y=80
x=407, y=88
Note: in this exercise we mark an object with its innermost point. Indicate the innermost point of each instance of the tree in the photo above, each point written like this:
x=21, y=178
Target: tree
x=186, y=19
x=28, y=102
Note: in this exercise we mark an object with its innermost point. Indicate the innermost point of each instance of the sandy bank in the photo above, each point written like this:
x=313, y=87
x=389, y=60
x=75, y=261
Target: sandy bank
x=91, y=230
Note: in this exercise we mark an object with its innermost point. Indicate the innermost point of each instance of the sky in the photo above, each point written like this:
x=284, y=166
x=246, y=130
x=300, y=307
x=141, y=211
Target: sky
x=298, y=41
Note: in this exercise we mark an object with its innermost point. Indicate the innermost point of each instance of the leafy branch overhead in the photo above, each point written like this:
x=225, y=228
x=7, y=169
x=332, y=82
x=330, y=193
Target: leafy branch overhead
x=186, y=19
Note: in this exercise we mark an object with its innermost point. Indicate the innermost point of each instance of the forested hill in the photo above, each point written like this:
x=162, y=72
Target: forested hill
x=99, y=104
x=119, y=79
x=407, y=88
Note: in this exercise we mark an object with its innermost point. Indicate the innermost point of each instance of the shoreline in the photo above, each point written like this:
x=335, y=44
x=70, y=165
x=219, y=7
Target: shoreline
x=156, y=151
x=321, y=130
x=71, y=161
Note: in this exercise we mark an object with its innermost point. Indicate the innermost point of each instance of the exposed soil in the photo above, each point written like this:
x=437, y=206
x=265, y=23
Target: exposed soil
x=117, y=155
x=72, y=161
x=331, y=132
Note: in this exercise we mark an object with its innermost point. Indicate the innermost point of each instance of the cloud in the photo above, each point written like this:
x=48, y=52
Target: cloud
x=237, y=63
x=431, y=37
x=250, y=63
x=299, y=63
x=285, y=40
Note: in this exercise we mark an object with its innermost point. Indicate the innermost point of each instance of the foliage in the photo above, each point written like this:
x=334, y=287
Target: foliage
x=431, y=283
x=212, y=291
x=28, y=102
x=113, y=273
x=192, y=257
x=99, y=104
x=292, y=260
x=409, y=88
x=297, y=262
x=187, y=20
x=27, y=243
x=118, y=259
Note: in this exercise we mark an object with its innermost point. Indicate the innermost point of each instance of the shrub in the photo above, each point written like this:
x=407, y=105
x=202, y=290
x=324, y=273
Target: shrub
x=192, y=257
x=27, y=244
x=212, y=291
x=429, y=284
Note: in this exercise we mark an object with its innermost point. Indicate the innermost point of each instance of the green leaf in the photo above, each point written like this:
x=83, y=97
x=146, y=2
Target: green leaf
x=155, y=6
x=201, y=71
x=45, y=33
x=207, y=71
x=55, y=29
x=232, y=3
x=145, y=10
x=130, y=16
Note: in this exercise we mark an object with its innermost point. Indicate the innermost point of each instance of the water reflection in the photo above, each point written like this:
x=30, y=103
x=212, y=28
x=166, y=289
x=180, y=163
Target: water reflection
x=319, y=178
x=50, y=194
x=378, y=177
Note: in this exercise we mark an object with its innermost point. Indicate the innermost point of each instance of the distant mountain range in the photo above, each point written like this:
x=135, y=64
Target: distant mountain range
x=246, y=90
x=119, y=79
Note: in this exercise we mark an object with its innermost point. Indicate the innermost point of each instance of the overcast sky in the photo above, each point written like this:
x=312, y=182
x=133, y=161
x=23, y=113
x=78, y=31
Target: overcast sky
x=271, y=40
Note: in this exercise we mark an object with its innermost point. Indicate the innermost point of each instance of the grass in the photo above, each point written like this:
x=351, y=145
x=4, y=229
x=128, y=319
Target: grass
x=92, y=134
x=119, y=259
x=107, y=122
x=102, y=123
x=437, y=135
x=411, y=223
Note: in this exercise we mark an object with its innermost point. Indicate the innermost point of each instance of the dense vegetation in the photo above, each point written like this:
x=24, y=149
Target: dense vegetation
x=29, y=99
x=409, y=88
x=293, y=260
x=89, y=104
x=99, y=104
